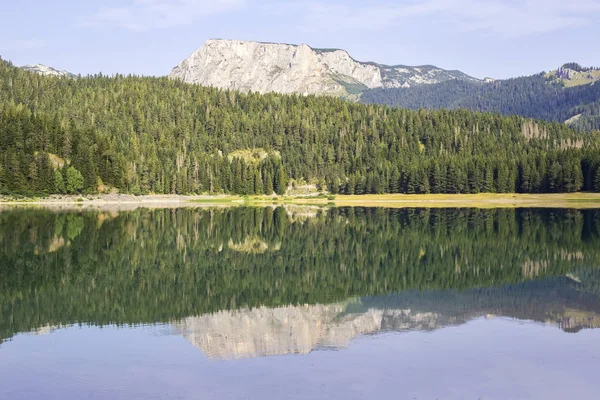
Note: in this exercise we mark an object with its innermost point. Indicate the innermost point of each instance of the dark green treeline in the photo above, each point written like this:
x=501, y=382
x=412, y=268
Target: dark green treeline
x=155, y=135
x=150, y=266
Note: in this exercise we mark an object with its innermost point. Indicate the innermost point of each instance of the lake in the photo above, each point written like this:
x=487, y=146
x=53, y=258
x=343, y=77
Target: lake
x=300, y=303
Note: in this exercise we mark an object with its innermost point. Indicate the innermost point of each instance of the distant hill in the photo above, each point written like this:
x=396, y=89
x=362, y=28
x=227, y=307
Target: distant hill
x=573, y=74
x=570, y=94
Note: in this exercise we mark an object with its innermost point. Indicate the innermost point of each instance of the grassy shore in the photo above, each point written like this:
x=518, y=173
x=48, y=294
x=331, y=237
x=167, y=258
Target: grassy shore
x=486, y=200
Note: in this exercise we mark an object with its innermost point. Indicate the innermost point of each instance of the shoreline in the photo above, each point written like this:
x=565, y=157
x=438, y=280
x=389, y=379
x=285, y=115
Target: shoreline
x=486, y=200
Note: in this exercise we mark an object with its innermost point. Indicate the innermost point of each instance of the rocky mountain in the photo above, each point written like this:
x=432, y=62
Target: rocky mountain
x=406, y=76
x=48, y=71
x=285, y=68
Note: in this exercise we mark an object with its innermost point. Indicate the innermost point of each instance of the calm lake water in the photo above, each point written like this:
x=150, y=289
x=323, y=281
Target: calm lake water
x=300, y=303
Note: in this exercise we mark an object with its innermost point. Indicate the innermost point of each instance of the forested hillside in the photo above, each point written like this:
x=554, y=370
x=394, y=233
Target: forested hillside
x=155, y=135
x=534, y=96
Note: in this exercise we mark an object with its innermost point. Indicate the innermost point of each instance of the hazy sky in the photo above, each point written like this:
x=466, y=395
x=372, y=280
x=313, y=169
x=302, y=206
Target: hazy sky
x=497, y=38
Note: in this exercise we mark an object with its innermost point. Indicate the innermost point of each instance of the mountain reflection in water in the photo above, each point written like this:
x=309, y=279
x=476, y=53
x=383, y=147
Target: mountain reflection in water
x=260, y=332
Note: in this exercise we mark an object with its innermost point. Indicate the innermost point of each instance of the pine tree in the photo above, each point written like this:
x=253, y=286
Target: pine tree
x=258, y=183
x=597, y=180
x=555, y=180
x=525, y=177
x=281, y=181
x=59, y=184
x=502, y=179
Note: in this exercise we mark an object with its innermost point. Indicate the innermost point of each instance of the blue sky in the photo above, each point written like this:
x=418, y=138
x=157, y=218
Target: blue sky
x=498, y=38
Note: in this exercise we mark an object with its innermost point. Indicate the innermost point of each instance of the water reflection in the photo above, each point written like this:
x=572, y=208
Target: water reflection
x=560, y=302
x=479, y=303
x=267, y=281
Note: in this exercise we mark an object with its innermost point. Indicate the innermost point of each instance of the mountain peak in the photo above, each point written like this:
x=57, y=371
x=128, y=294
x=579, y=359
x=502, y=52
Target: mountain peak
x=46, y=70
x=288, y=68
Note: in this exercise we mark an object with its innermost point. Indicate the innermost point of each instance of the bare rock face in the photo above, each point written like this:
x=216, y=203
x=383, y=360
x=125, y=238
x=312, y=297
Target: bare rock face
x=284, y=68
x=48, y=71
x=266, y=67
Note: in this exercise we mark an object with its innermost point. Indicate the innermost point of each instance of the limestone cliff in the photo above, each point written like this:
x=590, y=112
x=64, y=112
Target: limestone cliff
x=284, y=68
x=48, y=71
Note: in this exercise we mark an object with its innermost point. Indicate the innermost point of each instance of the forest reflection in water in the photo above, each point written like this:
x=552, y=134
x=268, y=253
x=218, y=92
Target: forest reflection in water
x=249, y=282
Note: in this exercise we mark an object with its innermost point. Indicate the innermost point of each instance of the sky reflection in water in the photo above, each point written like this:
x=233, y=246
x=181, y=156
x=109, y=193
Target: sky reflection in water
x=269, y=304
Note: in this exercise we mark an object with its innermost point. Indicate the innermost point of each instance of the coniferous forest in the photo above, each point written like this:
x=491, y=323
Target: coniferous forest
x=154, y=135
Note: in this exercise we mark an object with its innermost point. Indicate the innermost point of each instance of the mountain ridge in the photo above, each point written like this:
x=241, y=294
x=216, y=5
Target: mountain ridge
x=568, y=94
x=285, y=68
x=47, y=70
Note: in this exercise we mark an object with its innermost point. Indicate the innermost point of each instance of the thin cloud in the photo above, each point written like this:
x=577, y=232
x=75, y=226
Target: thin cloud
x=142, y=15
x=501, y=17
x=21, y=44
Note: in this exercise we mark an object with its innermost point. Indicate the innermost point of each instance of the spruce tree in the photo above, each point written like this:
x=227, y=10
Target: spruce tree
x=281, y=181
x=59, y=183
x=597, y=180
